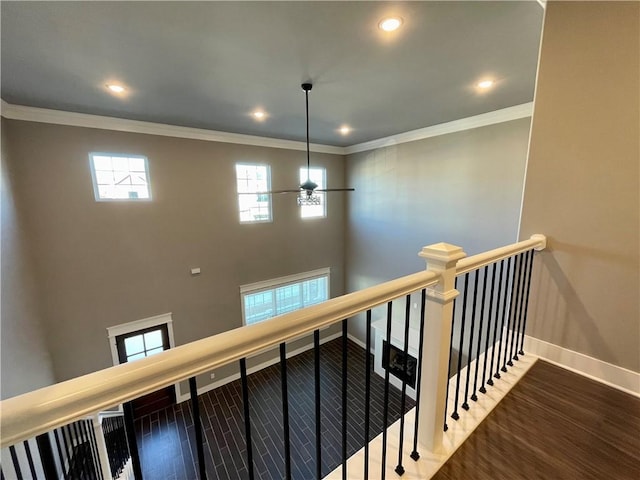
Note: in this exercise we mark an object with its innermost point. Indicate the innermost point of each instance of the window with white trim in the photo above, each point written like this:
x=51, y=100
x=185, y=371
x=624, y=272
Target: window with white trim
x=318, y=176
x=253, y=181
x=120, y=177
x=263, y=300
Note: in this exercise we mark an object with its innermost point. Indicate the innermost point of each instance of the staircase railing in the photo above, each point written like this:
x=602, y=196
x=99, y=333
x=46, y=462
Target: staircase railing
x=44, y=410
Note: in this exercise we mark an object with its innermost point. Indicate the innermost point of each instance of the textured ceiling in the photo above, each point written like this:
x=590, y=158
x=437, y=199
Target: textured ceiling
x=209, y=64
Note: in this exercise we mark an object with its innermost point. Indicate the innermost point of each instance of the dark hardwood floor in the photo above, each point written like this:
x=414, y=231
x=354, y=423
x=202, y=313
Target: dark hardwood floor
x=166, y=438
x=554, y=425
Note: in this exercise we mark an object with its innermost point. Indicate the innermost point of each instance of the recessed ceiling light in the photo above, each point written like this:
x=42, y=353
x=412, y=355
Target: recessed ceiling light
x=259, y=115
x=345, y=130
x=116, y=88
x=390, y=24
x=484, y=84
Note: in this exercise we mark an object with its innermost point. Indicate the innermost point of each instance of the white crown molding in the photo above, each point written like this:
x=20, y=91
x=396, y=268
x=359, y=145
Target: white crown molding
x=498, y=116
x=603, y=372
x=59, y=117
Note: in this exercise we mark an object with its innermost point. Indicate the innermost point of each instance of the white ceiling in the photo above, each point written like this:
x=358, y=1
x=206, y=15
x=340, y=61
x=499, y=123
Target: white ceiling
x=209, y=64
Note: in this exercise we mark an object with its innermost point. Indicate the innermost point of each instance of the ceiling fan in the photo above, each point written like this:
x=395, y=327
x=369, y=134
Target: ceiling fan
x=307, y=189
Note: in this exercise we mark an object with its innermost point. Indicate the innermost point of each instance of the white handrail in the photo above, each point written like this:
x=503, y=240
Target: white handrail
x=33, y=413
x=468, y=264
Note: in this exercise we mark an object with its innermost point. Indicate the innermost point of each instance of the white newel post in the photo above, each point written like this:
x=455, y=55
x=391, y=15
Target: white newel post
x=103, y=454
x=441, y=258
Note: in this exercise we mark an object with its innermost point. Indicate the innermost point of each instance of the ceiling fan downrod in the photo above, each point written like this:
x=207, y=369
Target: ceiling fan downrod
x=306, y=87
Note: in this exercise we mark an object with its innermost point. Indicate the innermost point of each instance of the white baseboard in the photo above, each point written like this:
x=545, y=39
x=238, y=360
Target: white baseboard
x=617, y=377
x=223, y=381
x=358, y=342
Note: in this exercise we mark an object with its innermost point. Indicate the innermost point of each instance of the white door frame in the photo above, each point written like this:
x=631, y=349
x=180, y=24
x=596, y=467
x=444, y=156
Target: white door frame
x=125, y=328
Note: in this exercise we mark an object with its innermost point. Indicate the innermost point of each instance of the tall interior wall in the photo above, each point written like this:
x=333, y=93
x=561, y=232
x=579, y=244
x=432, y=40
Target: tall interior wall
x=100, y=264
x=25, y=361
x=463, y=188
x=582, y=186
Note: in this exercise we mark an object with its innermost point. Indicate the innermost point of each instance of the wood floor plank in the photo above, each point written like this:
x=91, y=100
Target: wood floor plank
x=169, y=448
x=554, y=424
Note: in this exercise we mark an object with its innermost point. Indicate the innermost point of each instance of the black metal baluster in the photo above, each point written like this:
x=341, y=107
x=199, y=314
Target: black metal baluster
x=474, y=397
x=94, y=448
x=523, y=274
x=344, y=399
x=285, y=410
x=465, y=405
x=197, y=427
x=503, y=286
x=87, y=454
x=122, y=452
x=504, y=317
x=60, y=456
x=455, y=414
x=16, y=463
x=403, y=397
x=510, y=314
x=247, y=417
x=318, y=405
x=32, y=467
x=73, y=439
x=113, y=448
x=78, y=453
x=490, y=322
x=47, y=459
x=130, y=430
x=118, y=439
x=1, y=473
x=88, y=450
x=66, y=439
x=414, y=453
x=453, y=324
x=526, y=304
x=94, y=444
x=510, y=318
x=367, y=396
x=385, y=408
x=516, y=312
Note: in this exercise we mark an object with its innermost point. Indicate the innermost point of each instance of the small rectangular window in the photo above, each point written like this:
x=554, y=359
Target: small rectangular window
x=318, y=176
x=120, y=177
x=142, y=345
x=253, y=181
x=264, y=300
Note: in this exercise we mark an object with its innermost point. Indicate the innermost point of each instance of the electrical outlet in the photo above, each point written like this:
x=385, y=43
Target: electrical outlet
x=213, y=375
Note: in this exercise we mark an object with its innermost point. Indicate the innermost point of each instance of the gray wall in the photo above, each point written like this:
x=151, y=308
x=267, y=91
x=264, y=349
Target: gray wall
x=25, y=360
x=104, y=263
x=463, y=188
x=583, y=181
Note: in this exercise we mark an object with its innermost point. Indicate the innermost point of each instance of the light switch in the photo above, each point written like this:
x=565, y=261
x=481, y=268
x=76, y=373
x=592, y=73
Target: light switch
x=195, y=271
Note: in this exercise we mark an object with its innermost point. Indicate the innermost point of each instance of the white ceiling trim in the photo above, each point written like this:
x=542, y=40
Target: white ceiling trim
x=498, y=116
x=59, y=117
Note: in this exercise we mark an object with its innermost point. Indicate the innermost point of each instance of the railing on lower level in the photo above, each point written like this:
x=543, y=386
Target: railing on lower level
x=486, y=325
x=69, y=452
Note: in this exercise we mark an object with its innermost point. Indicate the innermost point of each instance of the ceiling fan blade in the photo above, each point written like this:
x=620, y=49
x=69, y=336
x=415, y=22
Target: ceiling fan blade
x=298, y=190
x=335, y=190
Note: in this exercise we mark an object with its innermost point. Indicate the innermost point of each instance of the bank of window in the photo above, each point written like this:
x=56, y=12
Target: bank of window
x=263, y=300
x=120, y=177
x=318, y=176
x=253, y=181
